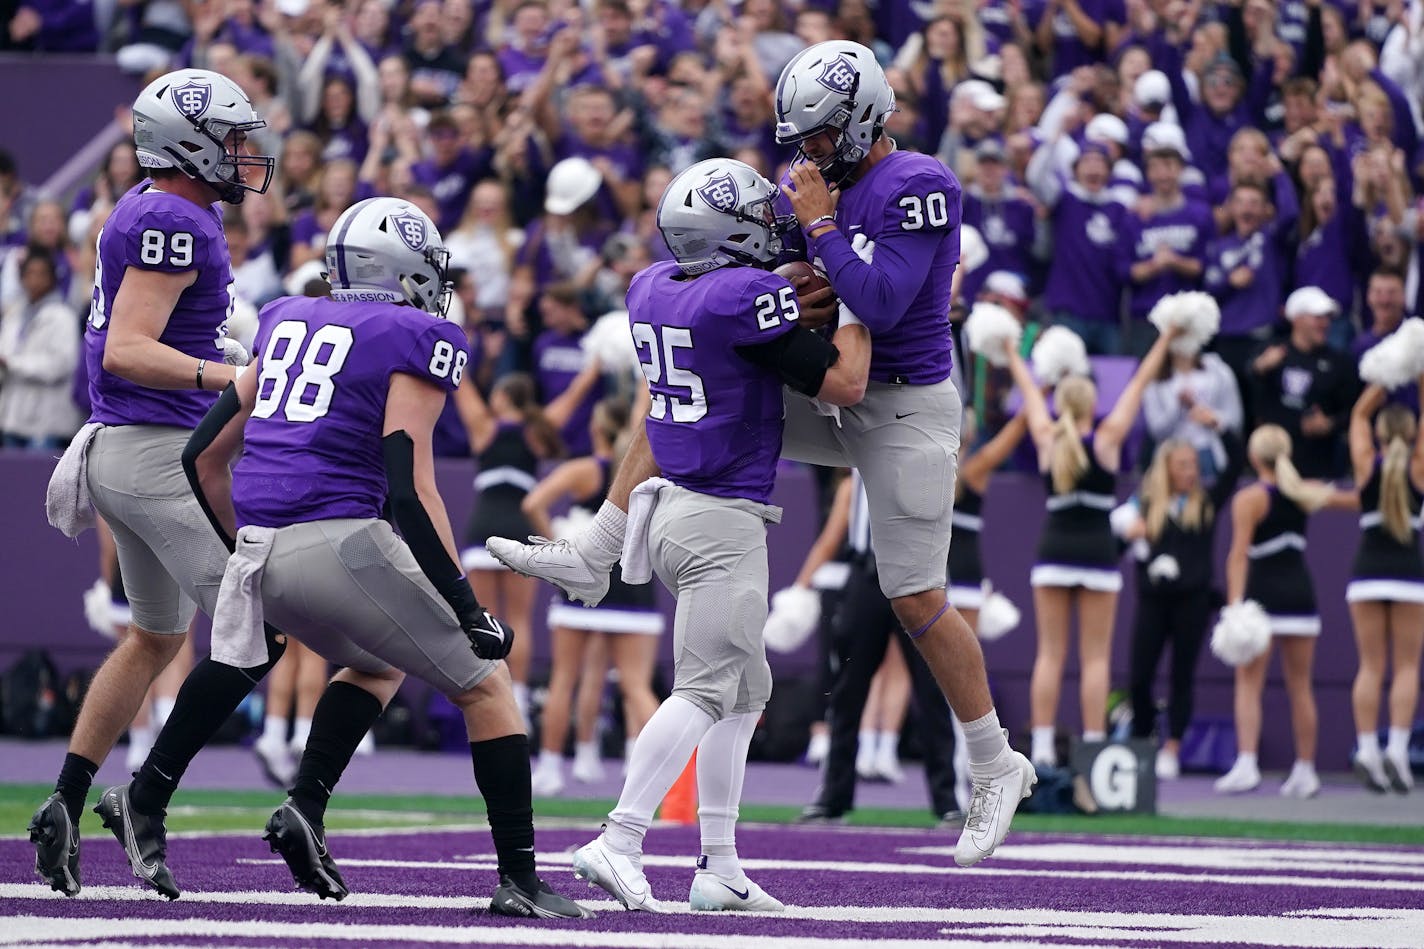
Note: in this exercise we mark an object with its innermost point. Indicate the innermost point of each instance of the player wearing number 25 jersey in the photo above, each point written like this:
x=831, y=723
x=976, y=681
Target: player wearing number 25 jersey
x=718, y=337
x=155, y=353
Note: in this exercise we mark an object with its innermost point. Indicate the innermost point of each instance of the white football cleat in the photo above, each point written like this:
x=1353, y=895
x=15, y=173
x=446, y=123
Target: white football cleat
x=1244, y=776
x=619, y=875
x=557, y=561
x=1302, y=783
x=998, y=789
x=712, y=894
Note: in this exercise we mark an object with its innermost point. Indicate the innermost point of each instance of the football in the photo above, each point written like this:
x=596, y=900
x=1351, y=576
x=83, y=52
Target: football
x=798, y=270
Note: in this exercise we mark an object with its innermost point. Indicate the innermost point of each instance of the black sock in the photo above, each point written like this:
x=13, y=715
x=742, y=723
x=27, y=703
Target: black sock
x=209, y=696
x=75, y=777
x=342, y=718
x=502, y=775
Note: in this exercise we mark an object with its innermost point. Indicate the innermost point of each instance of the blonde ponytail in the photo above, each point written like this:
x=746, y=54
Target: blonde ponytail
x=1396, y=429
x=1271, y=446
x=1074, y=399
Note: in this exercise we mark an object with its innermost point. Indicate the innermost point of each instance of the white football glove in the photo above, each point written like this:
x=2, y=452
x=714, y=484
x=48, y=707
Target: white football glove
x=795, y=611
x=233, y=352
x=863, y=246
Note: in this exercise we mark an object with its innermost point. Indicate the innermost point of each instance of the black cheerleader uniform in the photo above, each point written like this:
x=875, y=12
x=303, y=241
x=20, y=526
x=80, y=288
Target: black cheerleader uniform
x=966, y=565
x=1277, y=577
x=507, y=472
x=1077, y=547
x=1385, y=569
x=627, y=608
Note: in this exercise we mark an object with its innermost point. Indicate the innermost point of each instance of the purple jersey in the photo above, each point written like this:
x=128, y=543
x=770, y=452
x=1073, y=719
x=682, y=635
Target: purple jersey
x=558, y=358
x=451, y=184
x=715, y=421
x=1185, y=229
x=909, y=205
x=154, y=230
x=1083, y=275
x=313, y=442
x=1008, y=224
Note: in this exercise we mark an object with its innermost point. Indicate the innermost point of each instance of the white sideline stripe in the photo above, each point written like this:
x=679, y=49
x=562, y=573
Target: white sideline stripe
x=28, y=930
x=200, y=810
x=923, y=869
x=1223, y=858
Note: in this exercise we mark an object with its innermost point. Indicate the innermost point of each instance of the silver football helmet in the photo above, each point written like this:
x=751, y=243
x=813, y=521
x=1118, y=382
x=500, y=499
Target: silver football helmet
x=386, y=249
x=183, y=120
x=836, y=87
x=719, y=212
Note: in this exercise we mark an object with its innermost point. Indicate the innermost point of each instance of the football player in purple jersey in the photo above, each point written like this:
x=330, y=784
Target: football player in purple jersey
x=719, y=337
x=889, y=241
x=156, y=358
x=335, y=421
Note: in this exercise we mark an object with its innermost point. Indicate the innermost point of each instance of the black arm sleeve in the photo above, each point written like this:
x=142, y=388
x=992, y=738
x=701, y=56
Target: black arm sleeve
x=413, y=521
x=223, y=411
x=800, y=357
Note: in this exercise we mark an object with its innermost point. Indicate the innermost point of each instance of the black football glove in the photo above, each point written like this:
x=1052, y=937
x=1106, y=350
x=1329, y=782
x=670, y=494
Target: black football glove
x=490, y=638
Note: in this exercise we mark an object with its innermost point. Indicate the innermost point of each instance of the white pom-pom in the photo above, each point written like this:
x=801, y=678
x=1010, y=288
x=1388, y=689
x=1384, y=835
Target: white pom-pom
x=1398, y=359
x=1059, y=353
x=997, y=616
x=610, y=341
x=570, y=525
x=795, y=611
x=987, y=328
x=1242, y=633
x=242, y=323
x=1198, y=315
x=1124, y=517
x=973, y=252
x=96, y=608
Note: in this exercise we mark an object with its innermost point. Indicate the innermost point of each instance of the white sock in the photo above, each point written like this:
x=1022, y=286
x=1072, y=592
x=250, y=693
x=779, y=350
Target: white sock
x=162, y=708
x=864, y=749
x=888, y=745
x=1094, y=735
x=721, y=771
x=601, y=543
x=664, y=746
x=274, y=728
x=141, y=736
x=1398, y=743
x=586, y=751
x=301, y=731
x=549, y=760
x=1043, y=749
x=1245, y=759
x=521, y=698
x=1369, y=743
x=984, y=737
x=1303, y=767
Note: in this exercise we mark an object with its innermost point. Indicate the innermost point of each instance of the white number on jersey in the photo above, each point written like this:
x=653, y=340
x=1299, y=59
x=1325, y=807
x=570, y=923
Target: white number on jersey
x=154, y=245
x=772, y=308
x=318, y=372
x=932, y=208
x=673, y=338
x=99, y=309
x=448, y=361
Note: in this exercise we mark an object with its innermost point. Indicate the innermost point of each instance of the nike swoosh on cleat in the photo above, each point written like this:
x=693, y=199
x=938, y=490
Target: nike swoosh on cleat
x=740, y=894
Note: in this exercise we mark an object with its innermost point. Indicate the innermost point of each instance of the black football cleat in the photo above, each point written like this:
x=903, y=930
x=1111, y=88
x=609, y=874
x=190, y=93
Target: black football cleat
x=143, y=837
x=303, y=846
x=511, y=899
x=56, y=841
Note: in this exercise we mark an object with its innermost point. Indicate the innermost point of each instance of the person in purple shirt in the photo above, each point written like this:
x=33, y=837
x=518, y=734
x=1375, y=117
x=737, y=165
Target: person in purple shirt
x=1084, y=290
x=1226, y=106
x=559, y=361
x=335, y=423
x=1004, y=216
x=1162, y=249
x=889, y=248
x=718, y=337
x=155, y=355
x=1078, y=32
x=1385, y=309
x=51, y=26
x=452, y=170
x=435, y=67
x=1332, y=251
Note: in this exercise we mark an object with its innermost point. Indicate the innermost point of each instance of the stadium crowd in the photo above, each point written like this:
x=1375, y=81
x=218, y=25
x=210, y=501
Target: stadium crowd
x=1112, y=152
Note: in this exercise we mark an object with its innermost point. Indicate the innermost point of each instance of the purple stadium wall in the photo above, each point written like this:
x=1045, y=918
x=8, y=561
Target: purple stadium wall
x=44, y=575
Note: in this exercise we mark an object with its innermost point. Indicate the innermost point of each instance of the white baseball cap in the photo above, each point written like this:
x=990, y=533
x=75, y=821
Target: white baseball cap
x=981, y=95
x=1310, y=301
x=571, y=183
x=1006, y=283
x=1165, y=137
x=1152, y=89
x=1105, y=127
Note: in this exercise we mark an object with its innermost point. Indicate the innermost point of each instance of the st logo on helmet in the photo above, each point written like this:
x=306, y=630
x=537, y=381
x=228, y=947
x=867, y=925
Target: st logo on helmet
x=192, y=98
x=411, y=229
x=720, y=193
x=838, y=75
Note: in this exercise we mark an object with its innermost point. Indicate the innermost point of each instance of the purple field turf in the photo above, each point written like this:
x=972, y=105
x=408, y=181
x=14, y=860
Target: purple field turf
x=1028, y=895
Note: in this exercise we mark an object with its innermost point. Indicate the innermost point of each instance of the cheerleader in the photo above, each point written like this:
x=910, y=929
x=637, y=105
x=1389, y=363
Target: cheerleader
x=1386, y=590
x=627, y=613
x=509, y=436
x=966, y=567
x=1267, y=564
x=1172, y=533
x=1077, y=551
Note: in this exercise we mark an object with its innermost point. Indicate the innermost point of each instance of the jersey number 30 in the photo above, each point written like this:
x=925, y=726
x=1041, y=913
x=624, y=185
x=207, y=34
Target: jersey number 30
x=933, y=209
x=660, y=367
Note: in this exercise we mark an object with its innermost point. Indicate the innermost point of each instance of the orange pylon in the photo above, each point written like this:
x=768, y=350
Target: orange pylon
x=680, y=804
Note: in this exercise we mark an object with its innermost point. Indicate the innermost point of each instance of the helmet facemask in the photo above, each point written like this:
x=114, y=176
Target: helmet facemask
x=229, y=177
x=845, y=156
x=434, y=300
